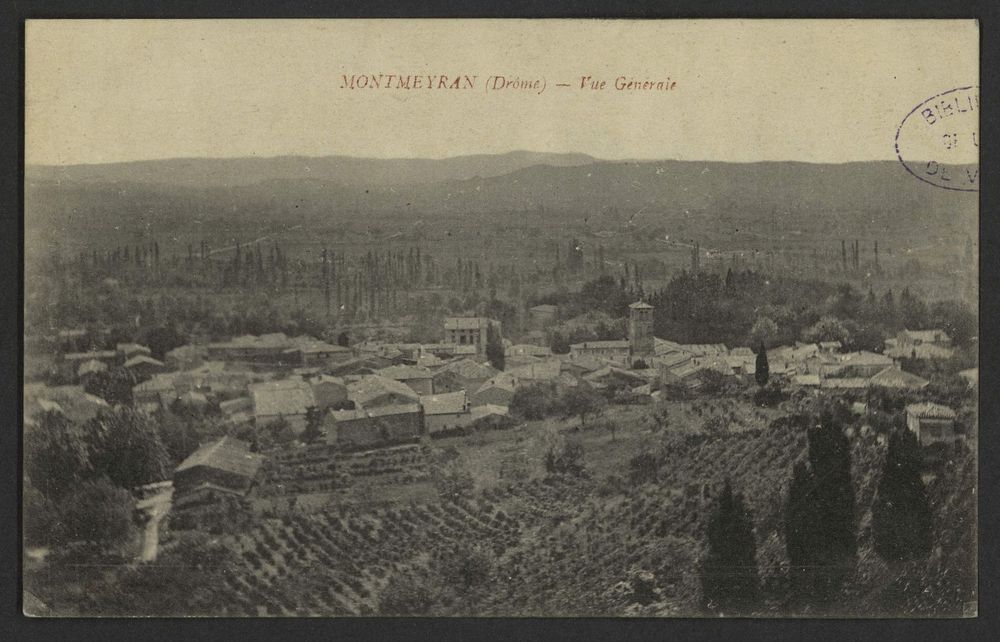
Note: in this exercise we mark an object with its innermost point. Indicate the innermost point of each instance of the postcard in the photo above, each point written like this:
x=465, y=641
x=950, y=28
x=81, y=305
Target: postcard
x=659, y=318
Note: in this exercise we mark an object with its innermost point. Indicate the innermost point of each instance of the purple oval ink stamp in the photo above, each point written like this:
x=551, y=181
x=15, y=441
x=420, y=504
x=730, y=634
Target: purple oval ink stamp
x=938, y=141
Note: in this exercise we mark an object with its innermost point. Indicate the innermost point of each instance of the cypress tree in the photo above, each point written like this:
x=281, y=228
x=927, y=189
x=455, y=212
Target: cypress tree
x=729, y=580
x=901, y=514
x=762, y=372
x=820, y=527
x=494, y=347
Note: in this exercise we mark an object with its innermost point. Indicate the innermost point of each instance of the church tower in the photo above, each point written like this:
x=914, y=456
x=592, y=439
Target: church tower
x=640, y=331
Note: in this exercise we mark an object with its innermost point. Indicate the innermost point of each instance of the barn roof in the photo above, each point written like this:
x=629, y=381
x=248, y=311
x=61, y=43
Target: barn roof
x=930, y=411
x=894, y=378
x=285, y=397
x=228, y=454
x=448, y=403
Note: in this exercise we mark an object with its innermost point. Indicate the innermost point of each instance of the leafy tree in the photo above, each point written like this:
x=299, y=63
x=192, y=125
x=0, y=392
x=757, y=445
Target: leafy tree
x=98, y=512
x=764, y=329
x=729, y=580
x=162, y=339
x=452, y=481
x=581, y=401
x=828, y=328
x=901, y=513
x=113, y=385
x=494, y=347
x=343, y=340
x=41, y=526
x=125, y=446
x=533, y=402
x=762, y=371
x=56, y=456
x=314, y=426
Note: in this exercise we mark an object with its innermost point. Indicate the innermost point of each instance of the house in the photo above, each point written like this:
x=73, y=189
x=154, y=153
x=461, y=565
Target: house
x=224, y=465
x=193, y=401
x=185, y=357
x=88, y=369
x=307, y=351
x=328, y=391
x=365, y=365
x=128, y=350
x=275, y=350
x=611, y=377
x=231, y=408
x=491, y=416
x=373, y=391
x=931, y=422
x=418, y=378
x=616, y=352
x=284, y=399
x=375, y=427
x=447, y=350
x=971, y=376
x=497, y=391
x=543, y=315
x=75, y=404
x=144, y=367
x=468, y=331
x=522, y=350
x=158, y=391
x=920, y=344
x=547, y=370
x=463, y=374
x=446, y=412
x=895, y=378
x=856, y=364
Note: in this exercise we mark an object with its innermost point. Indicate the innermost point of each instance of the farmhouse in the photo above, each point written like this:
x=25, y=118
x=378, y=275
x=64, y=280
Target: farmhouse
x=418, y=378
x=616, y=352
x=285, y=399
x=307, y=351
x=367, y=428
x=896, y=378
x=328, y=391
x=373, y=391
x=144, y=367
x=468, y=331
x=498, y=391
x=225, y=465
x=185, y=357
x=463, y=374
x=931, y=422
x=446, y=412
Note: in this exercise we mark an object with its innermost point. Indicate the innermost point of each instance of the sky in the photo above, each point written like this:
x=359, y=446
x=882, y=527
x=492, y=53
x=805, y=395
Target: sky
x=100, y=91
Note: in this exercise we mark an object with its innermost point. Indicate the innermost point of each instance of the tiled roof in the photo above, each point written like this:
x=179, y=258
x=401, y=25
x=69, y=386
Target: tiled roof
x=141, y=359
x=930, y=410
x=444, y=404
x=640, y=305
x=405, y=373
x=371, y=387
x=285, y=397
x=894, y=378
x=469, y=369
x=228, y=454
x=384, y=411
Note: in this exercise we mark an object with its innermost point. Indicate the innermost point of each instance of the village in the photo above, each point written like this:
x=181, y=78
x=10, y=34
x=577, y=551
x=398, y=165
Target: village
x=357, y=419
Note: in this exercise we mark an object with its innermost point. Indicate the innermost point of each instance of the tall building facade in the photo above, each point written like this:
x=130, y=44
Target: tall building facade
x=640, y=330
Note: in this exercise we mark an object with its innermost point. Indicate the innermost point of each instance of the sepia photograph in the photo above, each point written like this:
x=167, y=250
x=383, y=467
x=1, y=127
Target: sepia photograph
x=500, y=318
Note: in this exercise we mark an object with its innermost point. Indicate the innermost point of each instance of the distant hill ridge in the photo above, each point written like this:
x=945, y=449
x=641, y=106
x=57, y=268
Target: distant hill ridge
x=344, y=170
